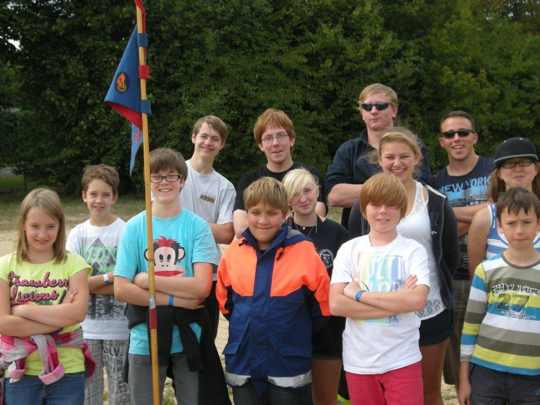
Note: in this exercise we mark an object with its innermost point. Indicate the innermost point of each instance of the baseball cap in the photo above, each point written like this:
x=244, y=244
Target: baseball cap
x=515, y=148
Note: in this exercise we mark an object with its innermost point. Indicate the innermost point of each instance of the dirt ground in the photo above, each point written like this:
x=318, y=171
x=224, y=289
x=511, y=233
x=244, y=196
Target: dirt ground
x=7, y=244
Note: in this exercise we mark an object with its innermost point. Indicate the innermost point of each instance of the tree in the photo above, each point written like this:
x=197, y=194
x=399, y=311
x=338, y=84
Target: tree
x=234, y=59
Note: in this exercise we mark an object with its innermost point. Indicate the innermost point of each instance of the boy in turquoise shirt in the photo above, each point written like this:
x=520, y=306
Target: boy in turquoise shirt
x=183, y=252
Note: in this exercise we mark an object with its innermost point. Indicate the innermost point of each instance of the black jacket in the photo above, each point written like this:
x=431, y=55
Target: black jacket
x=444, y=238
x=352, y=165
x=202, y=357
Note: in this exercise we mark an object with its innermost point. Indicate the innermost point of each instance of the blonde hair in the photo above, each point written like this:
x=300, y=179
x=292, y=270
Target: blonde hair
x=266, y=190
x=402, y=135
x=296, y=180
x=497, y=186
x=48, y=201
x=383, y=189
x=378, y=88
x=273, y=118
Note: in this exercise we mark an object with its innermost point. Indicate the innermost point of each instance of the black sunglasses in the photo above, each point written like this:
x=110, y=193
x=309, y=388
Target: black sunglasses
x=378, y=106
x=462, y=133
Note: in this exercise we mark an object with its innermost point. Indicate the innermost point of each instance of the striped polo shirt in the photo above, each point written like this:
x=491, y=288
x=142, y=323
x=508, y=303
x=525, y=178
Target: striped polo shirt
x=496, y=241
x=502, y=322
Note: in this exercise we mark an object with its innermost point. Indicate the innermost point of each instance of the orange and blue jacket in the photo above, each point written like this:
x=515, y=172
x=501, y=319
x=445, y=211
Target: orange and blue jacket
x=272, y=299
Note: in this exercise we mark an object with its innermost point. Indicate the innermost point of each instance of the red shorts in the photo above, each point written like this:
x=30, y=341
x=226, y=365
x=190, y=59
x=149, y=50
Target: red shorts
x=402, y=386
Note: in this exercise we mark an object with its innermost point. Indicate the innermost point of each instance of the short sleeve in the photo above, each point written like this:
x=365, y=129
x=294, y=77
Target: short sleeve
x=418, y=265
x=204, y=246
x=226, y=205
x=73, y=241
x=128, y=250
x=5, y=266
x=76, y=263
x=243, y=183
x=342, y=270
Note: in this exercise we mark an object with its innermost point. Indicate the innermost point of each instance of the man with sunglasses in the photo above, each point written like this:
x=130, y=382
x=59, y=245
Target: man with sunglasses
x=464, y=181
x=352, y=166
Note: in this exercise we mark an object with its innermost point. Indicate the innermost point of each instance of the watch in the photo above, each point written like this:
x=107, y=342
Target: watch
x=358, y=295
x=106, y=279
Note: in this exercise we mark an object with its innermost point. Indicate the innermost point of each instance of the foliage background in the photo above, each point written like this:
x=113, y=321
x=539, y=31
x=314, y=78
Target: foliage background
x=235, y=58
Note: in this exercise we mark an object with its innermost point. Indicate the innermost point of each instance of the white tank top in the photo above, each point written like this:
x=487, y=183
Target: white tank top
x=416, y=225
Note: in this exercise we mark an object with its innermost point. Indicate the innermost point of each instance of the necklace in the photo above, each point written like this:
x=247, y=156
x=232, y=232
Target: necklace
x=306, y=230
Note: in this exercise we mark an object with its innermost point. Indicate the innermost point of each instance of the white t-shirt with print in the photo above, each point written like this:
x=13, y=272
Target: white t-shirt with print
x=105, y=318
x=376, y=346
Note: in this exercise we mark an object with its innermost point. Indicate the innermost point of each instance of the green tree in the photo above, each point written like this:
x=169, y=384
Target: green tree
x=234, y=59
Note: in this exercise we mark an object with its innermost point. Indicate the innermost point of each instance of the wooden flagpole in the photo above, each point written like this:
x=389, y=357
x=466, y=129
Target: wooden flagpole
x=152, y=312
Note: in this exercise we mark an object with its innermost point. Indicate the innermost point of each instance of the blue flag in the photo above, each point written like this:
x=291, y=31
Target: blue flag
x=136, y=140
x=124, y=95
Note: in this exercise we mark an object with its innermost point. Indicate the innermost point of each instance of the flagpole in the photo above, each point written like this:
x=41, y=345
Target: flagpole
x=152, y=312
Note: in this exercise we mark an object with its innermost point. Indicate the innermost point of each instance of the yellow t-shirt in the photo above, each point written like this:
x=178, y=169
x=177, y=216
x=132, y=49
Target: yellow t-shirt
x=44, y=284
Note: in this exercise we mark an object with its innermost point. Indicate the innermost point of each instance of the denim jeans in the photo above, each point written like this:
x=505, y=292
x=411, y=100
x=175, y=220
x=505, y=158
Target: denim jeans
x=29, y=390
x=491, y=387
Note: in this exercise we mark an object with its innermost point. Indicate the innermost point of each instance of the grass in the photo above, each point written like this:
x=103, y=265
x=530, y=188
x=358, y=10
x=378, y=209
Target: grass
x=74, y=209
x=11, y=183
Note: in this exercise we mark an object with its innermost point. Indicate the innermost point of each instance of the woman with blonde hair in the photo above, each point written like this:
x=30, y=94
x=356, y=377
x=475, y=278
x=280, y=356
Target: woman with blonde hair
x=327, y=236
x=430, y=221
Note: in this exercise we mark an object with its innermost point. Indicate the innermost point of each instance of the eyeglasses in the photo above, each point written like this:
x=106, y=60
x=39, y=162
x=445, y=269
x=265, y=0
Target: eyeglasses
x=270, y=138
x=170, y=178
x=510, y=164
x=378, y=106
x=462, y=133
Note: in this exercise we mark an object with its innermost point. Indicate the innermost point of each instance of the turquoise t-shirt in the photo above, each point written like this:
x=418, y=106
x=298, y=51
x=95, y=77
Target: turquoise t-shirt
x=179, y=242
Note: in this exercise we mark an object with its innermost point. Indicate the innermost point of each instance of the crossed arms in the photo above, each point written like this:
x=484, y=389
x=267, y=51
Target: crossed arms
x=409, y=298
x=32, y=319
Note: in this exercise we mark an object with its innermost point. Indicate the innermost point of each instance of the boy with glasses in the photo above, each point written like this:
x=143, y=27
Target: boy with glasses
x=275, y=137
x=464, y=181
x=351, y=166
x=209, y=194
x=184, y=251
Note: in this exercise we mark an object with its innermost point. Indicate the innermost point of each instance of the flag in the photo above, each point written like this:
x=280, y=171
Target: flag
x=124, y=94
x=136, y=140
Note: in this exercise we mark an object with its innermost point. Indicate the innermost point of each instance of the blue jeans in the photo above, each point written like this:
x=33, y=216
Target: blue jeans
x=29, y=390
x=491, y=387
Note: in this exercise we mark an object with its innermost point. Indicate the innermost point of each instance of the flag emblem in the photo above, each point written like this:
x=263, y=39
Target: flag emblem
x=121, y=82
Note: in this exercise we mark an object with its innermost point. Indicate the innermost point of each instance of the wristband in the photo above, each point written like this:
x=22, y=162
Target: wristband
x=170, y=302
x=106, y=279
x=358, y=295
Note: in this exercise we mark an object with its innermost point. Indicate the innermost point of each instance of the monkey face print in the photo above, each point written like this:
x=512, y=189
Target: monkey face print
x=167, y=256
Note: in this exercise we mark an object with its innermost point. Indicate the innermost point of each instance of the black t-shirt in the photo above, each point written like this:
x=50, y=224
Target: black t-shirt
x=263, y=171
x=327, y=236
x=461, y=191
